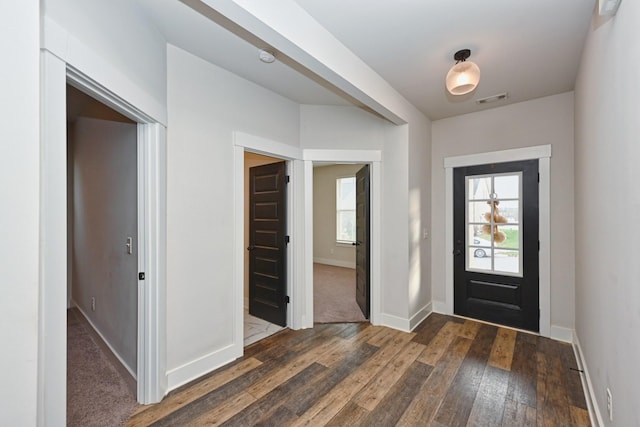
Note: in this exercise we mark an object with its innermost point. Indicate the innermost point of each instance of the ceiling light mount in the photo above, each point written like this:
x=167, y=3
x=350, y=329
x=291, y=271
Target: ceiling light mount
x=464, y=76
x=462, y=55
x=266, y=56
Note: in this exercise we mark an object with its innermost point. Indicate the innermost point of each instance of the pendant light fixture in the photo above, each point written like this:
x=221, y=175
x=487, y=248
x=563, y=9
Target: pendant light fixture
x=463, y=77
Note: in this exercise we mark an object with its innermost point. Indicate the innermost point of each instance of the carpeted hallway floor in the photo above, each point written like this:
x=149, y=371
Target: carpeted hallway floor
x=97, y=395
x=334, y=295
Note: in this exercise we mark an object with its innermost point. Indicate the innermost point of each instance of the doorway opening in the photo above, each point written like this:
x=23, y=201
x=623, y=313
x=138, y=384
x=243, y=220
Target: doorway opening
x=102, y=261
x=340, y=243
x=265, y=258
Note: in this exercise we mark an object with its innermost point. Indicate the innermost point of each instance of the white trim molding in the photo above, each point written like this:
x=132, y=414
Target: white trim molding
x=559, y=333
x=196, y=368
x=342, y=156
x=595, y=415
x=300, y=255
x=56, y=72
x=295, y=200
x=394, y=322
x=543, y=154
x=422, y=314
x=83, y=60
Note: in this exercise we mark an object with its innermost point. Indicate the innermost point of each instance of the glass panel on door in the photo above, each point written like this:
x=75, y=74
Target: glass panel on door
x=494, y=218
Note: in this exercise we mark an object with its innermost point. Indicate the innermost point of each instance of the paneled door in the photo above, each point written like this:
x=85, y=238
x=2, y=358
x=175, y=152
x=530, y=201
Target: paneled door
x=496, y=262
x=268, y=243
x=363, y=286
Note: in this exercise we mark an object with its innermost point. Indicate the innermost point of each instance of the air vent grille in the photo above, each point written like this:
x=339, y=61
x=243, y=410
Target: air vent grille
x=492, y=98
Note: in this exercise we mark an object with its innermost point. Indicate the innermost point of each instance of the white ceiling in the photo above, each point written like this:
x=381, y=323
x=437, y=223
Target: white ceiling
x=528, y=48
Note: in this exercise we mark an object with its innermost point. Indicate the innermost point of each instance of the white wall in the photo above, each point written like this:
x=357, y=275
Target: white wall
x=419, y=297
x=206, y=105
x=19, y=192
x=105, y=202
x=541, y=121
x=395, y=225
x=607, y=153
x=325, y=248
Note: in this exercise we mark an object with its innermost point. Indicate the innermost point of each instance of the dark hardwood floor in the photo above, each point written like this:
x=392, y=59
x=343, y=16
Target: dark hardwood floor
x=449, y=372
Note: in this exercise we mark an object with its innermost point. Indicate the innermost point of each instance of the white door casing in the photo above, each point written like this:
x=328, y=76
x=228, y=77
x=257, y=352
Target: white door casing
x=300, y=225
x=152, y=384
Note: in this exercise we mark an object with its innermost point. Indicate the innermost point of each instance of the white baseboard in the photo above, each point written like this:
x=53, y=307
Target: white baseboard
x=561, y=334
x=439, y=307
x=592, y=404
x=203, y=365
x=395, y=322
x=102, y=337
x=334, y=262
x=417, y=318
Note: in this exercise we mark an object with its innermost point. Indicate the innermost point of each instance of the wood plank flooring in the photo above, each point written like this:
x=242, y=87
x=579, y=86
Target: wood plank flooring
x=449, y=372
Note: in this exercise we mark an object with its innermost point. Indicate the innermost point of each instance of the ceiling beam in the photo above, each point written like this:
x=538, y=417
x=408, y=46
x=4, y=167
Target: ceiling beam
x=302, y=43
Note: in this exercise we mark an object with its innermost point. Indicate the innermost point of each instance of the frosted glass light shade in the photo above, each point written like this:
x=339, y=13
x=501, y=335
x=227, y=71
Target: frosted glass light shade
x=463, y=78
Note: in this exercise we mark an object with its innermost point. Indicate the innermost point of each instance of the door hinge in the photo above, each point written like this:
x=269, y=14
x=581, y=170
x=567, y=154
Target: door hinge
x=141, y=276
x=287, y=179
x=538, y=245
x=538, y=177
x=287, y=300
x=287, y=239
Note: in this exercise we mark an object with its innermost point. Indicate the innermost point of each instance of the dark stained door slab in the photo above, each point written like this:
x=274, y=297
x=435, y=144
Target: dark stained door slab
x=496, y=260
x=267, y=243
x=363, y=285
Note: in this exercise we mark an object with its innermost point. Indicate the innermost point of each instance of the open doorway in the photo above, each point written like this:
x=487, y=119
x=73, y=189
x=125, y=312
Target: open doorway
x=340, y=242
x=102, y=262
x=265, y=284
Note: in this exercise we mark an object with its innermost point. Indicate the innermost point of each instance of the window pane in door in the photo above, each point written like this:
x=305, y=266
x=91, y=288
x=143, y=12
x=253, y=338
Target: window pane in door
x=507, y=186
x=479, y=259
x=476, y=236
x=507, y=261
x=479, y=188
x=511, y=234
x=509, y=210
x=477, y=211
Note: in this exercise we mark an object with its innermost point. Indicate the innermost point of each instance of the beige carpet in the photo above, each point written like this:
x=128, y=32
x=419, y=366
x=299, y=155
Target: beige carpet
x=96, y=393
x=334, y=295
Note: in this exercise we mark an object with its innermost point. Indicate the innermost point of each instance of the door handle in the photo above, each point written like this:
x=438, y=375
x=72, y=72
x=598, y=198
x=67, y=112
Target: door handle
x=250, y=248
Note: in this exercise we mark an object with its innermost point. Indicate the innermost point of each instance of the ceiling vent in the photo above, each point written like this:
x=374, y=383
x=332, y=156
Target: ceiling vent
x=492, y=98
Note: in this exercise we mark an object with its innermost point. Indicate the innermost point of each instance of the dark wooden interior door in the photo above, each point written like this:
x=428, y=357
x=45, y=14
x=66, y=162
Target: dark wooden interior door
x=496, y=260
x=363, y=285
x=268, y=243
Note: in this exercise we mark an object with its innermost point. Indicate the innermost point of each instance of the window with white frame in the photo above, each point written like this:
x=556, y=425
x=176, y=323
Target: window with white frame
x=346, y=209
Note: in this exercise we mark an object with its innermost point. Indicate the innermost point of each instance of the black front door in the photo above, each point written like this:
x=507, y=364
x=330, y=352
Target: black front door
x=267, y=243
x=362, y=240
x=496, y=268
